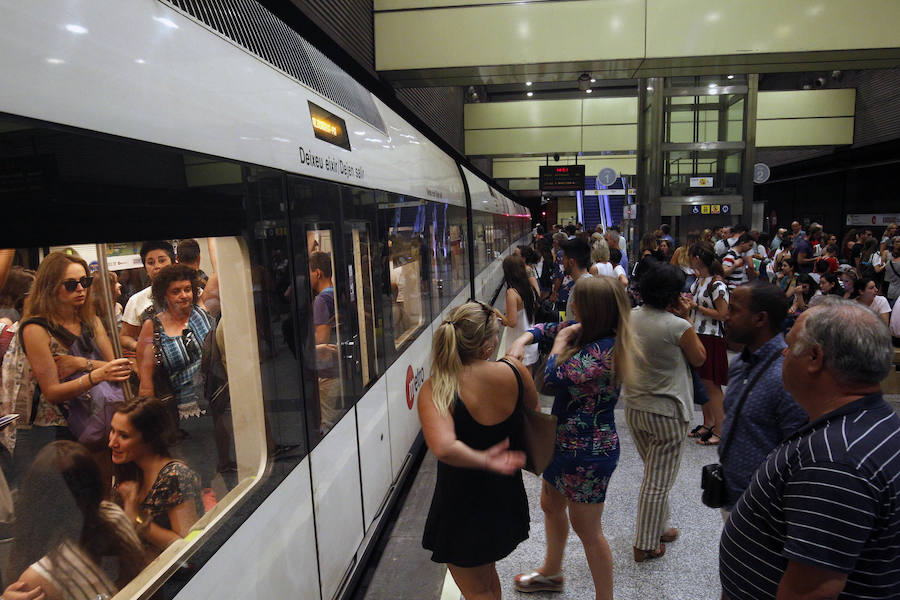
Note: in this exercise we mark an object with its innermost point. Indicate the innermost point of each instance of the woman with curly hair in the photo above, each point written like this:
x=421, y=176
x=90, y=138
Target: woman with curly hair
x=169, y=352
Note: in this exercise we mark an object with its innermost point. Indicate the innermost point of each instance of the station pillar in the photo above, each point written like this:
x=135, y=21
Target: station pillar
x=696, y=151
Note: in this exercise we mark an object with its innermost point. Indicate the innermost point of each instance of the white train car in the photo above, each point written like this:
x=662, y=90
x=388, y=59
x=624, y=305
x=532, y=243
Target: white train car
x=211, y=119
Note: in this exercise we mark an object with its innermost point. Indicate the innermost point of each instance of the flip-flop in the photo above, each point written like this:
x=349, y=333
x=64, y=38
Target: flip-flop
x=535, y=582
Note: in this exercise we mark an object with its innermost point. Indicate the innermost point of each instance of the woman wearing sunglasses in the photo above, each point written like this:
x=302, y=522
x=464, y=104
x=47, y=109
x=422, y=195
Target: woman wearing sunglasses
x=170, y=345
x=58, y=319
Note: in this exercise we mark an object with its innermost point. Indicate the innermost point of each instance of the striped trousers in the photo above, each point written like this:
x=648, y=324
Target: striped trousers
x=660, y=443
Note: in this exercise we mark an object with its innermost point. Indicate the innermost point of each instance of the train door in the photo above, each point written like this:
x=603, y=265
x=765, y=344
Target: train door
x=366, y=363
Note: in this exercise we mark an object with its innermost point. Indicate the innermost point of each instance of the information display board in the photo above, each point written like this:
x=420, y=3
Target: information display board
x=562, y=178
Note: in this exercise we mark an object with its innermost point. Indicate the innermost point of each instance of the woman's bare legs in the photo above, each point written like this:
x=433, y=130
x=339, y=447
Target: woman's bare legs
x=477, y=583
x=714, y=410
x=587, y=524
x=556, y=526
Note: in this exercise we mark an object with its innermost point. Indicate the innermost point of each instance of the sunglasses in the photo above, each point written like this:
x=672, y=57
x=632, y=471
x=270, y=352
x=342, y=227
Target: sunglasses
x=72, y=284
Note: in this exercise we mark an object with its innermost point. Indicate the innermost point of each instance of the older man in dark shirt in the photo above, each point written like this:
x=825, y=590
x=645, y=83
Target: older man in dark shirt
x=821, y=517
x=768, y=414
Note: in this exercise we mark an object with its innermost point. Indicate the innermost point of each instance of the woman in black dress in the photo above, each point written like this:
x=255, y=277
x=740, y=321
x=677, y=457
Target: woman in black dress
x=468, y=410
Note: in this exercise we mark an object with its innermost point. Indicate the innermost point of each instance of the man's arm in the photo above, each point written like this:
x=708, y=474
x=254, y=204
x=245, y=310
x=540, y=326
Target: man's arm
x=803, y=582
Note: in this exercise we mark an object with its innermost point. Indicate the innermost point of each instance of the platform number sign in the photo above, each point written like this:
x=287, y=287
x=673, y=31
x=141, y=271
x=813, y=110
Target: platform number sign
x=761, y=173
x=607, y=176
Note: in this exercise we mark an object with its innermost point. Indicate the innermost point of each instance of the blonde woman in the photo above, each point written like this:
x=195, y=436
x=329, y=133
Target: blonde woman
x=468, y=409
x=588, y=361
x=59, y=314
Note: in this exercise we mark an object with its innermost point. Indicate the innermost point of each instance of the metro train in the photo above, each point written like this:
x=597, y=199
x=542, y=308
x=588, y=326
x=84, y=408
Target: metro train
x=212, y=119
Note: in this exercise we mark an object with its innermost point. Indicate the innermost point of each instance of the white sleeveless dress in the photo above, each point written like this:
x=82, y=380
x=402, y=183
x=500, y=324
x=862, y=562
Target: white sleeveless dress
x=522, y=325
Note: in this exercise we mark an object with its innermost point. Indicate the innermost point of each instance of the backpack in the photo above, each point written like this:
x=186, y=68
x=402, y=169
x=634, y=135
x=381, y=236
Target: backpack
x=19, y=393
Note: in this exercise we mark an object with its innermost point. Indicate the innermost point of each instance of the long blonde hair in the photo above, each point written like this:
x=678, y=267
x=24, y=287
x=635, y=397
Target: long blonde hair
x=44, y=299
x=457, y=341
x=604, y=310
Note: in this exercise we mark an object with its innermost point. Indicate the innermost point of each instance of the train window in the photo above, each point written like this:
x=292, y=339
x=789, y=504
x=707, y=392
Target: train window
x=451, y=268
x=336, y=297
x=408, y=266
x=175, y=409
x=327, y=329
x=481, y=231
x=363, y=296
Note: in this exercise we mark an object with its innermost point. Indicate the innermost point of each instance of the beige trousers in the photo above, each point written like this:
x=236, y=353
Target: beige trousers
x=660, y=443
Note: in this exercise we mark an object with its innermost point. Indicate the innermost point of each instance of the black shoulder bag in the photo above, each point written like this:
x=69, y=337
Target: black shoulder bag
x=712, y=478
x=162, y=384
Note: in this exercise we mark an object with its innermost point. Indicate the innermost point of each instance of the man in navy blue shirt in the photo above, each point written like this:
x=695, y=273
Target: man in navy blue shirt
x=803, y=253
x=769, y=414
x=821, y=517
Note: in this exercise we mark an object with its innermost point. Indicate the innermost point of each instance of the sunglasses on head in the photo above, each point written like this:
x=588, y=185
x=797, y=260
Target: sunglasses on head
x=487, y=309
x=72, y=284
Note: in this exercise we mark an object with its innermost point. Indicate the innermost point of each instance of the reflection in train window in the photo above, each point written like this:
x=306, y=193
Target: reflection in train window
x=184, y=341
x=406, y=265
x=363, y=296
x=450, y=265
x=326, y=323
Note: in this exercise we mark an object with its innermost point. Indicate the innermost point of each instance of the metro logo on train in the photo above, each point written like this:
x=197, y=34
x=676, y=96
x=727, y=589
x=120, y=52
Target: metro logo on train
x=413, y=385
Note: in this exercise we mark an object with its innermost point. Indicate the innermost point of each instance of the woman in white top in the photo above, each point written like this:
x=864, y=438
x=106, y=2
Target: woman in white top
x=602, y=265
x=521, y=302
x=69, y=542
x=868, y=296
x=709, y=301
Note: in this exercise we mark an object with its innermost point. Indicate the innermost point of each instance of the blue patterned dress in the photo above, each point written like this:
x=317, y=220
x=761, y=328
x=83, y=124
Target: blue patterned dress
x=587, y=445
x=181, y=356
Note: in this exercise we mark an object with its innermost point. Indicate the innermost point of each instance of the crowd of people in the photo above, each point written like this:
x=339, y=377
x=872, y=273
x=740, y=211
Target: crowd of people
x=88, y=438
x=808, y=448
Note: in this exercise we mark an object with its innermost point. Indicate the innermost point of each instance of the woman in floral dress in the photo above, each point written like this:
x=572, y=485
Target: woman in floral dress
x=589, y=358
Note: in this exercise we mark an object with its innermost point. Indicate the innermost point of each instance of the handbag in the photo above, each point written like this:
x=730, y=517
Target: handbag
x=546, y=312
x=712, y=476
x=90, y=413
x=540, y=377
x=537, y=431
x=162, y=384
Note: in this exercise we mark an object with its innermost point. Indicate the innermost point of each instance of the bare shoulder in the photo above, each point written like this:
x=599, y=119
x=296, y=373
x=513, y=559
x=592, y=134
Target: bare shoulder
x=515, y=362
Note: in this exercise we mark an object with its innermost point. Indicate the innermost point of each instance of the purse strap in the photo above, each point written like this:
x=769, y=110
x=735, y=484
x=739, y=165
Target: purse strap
x=518, y=379
x=744, y=395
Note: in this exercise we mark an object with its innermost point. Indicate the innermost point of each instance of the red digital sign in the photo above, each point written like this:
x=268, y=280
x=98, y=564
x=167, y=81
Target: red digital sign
x=562, y=178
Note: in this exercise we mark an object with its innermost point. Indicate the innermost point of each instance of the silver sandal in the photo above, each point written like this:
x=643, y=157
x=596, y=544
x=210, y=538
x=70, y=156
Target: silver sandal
x=535, y=582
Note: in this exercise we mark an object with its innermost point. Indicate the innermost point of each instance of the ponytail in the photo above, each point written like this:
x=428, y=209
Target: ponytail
x=446, y=366
x=458, y=340
x=705, y=252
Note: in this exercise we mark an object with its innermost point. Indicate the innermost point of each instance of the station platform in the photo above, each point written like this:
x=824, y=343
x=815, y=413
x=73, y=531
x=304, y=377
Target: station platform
x=402, y=570
x=689, y=569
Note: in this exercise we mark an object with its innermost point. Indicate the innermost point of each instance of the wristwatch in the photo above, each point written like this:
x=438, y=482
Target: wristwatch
x=89, y=366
